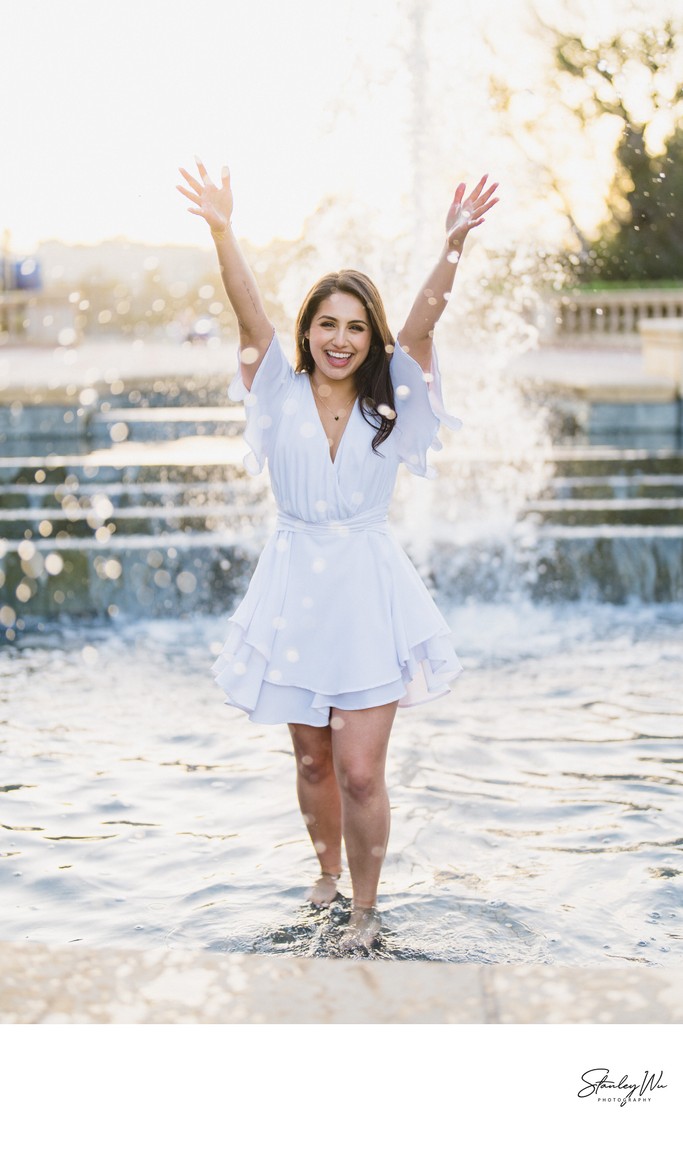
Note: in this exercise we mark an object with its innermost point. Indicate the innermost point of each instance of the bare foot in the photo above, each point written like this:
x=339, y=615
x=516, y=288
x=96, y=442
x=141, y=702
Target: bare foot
x=363, y=928
x=324, y=890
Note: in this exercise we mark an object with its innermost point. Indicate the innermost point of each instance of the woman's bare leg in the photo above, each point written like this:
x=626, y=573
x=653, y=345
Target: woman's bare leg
x=359, y=749
x=320, y=803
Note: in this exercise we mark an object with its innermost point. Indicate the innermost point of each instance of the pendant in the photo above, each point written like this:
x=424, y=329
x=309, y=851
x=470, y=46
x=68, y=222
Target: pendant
x=336, y=417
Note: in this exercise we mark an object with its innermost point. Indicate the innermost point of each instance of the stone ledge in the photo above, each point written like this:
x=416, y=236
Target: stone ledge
x=24, y=370
x=662, y=341
x=636, y=391
x=42, y=983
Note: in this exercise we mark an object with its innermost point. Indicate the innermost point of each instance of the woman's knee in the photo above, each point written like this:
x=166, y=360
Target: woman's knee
x=359, y=780
x=312, y=751
x=360, y=742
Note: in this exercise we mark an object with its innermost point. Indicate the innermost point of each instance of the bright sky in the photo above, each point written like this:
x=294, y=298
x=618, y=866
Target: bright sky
x=101, y=102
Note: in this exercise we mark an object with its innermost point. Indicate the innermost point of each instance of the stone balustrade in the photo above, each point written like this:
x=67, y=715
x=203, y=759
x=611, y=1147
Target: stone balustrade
x=614, y=314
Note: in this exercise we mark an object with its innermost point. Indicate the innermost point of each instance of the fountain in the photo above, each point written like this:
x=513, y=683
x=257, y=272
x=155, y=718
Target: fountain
x=122, y=491
x=163, y=521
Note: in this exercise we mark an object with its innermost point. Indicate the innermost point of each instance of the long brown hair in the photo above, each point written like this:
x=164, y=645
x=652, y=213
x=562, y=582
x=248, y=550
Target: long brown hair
x=373, y=381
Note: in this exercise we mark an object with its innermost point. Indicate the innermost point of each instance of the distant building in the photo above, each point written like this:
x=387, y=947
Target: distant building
x=20, y=274
x=122, y=260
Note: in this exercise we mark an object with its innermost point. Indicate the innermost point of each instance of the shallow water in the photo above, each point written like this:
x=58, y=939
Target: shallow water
x=537, y=809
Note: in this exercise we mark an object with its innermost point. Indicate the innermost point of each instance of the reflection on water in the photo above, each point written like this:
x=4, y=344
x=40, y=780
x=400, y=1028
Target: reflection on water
x=537, y=809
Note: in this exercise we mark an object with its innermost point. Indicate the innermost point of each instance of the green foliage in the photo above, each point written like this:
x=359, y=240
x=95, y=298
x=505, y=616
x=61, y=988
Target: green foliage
x=643, y=240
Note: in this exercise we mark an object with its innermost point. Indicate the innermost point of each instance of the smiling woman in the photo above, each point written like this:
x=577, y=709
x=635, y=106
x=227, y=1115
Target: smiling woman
x=337, y=630
x=343, y=344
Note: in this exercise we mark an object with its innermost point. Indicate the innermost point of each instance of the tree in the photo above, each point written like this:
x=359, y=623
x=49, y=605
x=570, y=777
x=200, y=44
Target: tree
x=634, y=76
x=643, y=239
x=622, y=93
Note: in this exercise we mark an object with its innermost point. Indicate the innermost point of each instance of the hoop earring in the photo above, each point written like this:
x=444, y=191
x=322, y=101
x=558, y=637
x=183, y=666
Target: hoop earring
x=304, y=341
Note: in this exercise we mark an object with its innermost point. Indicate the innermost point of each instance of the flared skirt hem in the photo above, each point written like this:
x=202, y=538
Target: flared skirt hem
x=243, y=673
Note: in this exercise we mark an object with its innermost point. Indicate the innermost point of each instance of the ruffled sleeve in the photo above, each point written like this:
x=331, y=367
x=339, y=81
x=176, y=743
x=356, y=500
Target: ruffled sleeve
x=263, y=404
x=419, y=411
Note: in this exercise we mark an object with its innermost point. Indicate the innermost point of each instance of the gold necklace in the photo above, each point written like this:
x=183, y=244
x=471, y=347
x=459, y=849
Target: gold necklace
x=330, y=409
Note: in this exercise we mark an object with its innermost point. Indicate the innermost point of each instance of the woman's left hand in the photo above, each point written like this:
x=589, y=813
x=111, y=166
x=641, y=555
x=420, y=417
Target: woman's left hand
x=464, y=215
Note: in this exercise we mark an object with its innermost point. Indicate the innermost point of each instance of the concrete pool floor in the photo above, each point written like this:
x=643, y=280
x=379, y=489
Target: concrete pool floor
x=42, y=983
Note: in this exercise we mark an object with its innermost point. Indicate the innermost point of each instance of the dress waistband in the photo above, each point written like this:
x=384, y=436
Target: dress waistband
x=374, y=520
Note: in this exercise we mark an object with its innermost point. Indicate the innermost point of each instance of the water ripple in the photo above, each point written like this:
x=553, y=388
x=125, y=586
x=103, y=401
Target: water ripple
x=536, y=809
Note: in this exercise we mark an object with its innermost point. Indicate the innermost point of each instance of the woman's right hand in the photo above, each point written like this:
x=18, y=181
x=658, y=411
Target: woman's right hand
x=213, y=204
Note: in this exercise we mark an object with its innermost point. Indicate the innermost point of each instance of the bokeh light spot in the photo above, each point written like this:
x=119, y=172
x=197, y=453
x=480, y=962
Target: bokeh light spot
x=186, y=582
x=54, y=564
x=26, y=549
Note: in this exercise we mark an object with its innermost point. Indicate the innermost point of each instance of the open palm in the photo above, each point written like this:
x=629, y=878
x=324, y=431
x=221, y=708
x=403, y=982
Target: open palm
x=214, y=204
x=466, y=214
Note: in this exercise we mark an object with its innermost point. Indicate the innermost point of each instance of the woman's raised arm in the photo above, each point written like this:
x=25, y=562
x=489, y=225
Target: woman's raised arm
x=214, y=204
x=463, y=215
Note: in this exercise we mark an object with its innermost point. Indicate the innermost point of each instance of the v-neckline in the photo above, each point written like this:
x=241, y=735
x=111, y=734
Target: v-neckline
x=333, y=462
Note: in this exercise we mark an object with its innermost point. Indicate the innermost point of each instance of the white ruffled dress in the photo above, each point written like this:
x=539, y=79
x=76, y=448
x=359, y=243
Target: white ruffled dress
x=335, y=614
